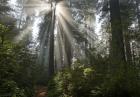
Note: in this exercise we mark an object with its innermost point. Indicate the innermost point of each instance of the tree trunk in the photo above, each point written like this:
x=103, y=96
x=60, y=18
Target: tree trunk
x=128, y=50
x=51, y=47
x=117, y=44
x=133, y=54
x=68, y=50
x=138, y=12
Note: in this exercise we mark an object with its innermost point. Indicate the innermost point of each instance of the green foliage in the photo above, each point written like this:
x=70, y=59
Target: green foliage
x=17, y=67
x=11, y=87
x=3, y=28
x=100, y=77
x=77, y=82
x=124, y=83
x=83, y=81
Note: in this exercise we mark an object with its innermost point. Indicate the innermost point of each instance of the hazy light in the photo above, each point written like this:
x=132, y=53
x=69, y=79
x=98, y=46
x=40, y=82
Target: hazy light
x=63, y=30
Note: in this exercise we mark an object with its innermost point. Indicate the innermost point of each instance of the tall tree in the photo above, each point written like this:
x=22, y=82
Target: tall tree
x=127, y=16
x=51, y=47
x=117, y=44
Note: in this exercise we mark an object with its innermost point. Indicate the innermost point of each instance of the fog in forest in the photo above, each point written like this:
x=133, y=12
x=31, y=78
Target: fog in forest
x=69, y=48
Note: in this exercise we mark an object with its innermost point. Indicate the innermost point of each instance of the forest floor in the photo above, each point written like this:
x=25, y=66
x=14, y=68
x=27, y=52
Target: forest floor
x=40, y=91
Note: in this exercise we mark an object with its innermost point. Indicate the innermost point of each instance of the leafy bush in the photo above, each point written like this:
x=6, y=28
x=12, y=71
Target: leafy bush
x=76, y=82
x=124, y=83
x=85, y=81
x=10, y=87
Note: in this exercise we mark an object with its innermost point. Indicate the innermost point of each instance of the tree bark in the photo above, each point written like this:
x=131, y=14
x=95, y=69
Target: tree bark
x=117, y=43
x=51, y=47
x=128, y=50
x=68, y=50
x=138, y=12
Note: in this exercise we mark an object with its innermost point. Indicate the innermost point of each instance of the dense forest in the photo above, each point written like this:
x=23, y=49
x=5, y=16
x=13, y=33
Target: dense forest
x=69, y=48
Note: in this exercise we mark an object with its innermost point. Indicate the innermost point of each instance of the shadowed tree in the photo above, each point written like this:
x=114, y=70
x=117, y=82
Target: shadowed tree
x=117, y=44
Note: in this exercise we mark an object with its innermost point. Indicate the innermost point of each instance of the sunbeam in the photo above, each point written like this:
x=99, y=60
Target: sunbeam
x=65, y=30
